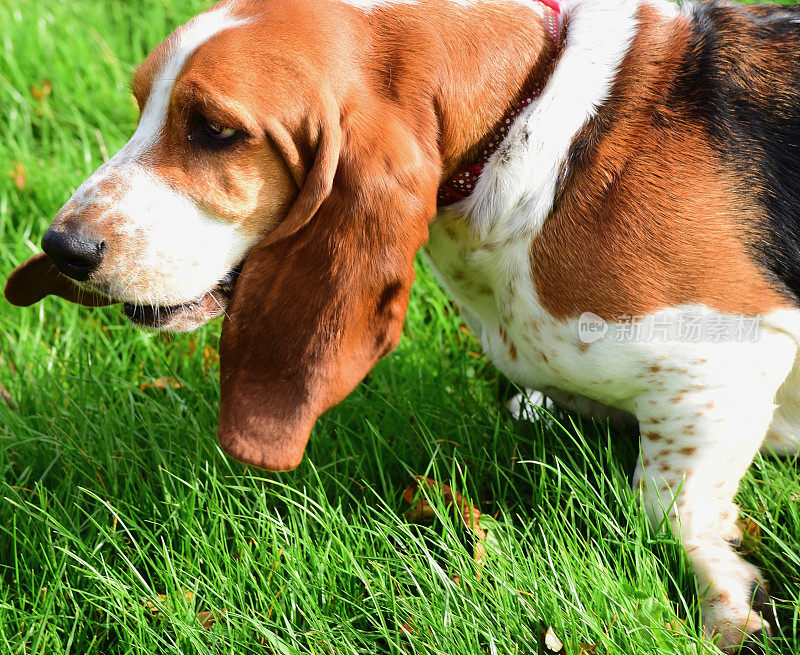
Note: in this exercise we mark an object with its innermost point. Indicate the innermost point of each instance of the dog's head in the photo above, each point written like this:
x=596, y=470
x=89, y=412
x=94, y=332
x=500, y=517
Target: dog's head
x=272, y=180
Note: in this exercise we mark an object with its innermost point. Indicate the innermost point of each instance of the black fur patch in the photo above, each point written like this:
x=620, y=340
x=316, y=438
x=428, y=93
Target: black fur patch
x=740, y=79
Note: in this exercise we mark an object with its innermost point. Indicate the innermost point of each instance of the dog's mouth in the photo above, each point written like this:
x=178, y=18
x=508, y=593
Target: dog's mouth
x=189, y=315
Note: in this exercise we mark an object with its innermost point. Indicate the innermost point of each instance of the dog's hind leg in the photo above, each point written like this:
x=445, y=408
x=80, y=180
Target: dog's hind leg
x=702, y=420
x=783, y=436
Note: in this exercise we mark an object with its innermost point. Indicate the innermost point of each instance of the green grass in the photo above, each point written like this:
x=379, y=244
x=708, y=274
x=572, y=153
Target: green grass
x=117, y=500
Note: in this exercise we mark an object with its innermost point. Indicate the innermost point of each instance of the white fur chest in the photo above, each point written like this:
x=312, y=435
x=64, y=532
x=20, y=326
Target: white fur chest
x=486, y=281
x=492, y=284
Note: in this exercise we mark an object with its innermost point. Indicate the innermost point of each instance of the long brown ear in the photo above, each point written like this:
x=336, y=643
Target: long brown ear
x=313, y=312
x=315, y=186
x=38, y=277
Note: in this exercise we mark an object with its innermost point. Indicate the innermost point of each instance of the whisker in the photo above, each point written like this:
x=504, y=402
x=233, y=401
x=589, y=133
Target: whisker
x=224, y=313
x=133, y=278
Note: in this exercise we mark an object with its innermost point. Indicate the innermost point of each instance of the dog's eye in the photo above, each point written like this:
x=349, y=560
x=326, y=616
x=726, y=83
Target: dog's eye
x=219, y=132
x=209, y=134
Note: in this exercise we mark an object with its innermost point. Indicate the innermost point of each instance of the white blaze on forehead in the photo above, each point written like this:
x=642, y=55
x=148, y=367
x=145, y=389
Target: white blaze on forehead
x=182, y=44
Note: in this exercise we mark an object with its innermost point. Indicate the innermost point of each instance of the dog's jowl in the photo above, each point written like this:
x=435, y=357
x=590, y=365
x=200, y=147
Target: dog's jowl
x=608, y=189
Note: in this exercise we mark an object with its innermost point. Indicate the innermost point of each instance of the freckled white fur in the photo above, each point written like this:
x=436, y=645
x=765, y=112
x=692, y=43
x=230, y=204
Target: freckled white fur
x=164, y=248
x=515, y=193
x=703, y=408
x=718, y=398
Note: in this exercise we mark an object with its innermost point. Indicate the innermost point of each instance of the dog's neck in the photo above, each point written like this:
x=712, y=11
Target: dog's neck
x=462, y=182
x=470, y=61
x=497, y=59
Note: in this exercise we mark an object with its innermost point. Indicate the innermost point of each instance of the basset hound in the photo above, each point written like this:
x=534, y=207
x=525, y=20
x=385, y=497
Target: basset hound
x=607, y=188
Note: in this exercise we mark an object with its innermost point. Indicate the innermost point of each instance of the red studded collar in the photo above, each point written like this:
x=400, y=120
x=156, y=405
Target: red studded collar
x=463, y=181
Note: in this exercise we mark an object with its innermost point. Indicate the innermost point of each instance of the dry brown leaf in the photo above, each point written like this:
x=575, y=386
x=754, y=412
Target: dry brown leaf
x=192, y=347
x=208, y=619
x=18, y=175
x=5, y=396
x=165, y=600
x=676, y=626
x=210, y=357
x=162, y=598
x=161, y=383
x=751, y=535
x=588, y=649
x=551, y=641
x=41, y=92
x=423, y=512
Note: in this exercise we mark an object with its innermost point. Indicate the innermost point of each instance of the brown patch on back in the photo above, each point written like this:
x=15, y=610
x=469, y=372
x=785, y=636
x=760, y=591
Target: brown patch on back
x=650, y=217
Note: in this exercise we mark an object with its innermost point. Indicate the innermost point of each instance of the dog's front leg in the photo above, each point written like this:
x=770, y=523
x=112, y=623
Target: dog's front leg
x=702, y=422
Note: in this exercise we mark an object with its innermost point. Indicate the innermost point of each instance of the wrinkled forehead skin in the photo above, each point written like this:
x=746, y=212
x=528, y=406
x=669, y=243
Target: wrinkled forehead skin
x=251, y=60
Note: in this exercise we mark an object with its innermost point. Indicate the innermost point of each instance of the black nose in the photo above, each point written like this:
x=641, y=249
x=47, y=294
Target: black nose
x=73, y=253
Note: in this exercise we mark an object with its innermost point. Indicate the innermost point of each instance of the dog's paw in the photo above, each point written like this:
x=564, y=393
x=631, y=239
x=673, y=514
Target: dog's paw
x=742, y=629
x=763, y=604
x=528, y=406
x=753, y=645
